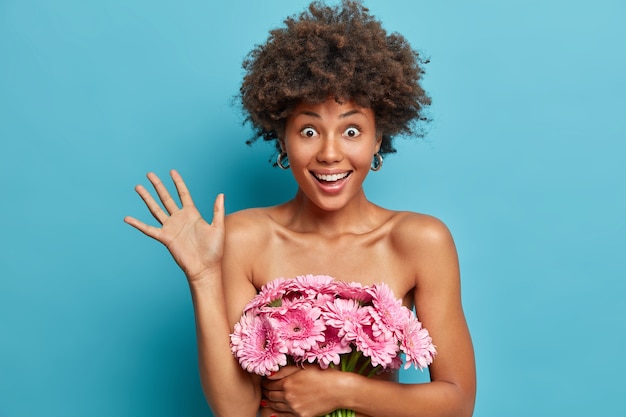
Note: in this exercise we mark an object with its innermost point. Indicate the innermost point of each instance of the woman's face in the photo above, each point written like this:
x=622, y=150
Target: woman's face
x=330, y=147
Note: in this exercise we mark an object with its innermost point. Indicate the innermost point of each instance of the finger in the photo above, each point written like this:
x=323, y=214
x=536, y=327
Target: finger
x=146, y=229
x=165, y=197
x=270, y=385
x=218, y=212
x=275, y=402
x=283, y=372
x=153, y=206
x=270, y=412
x=181, y=188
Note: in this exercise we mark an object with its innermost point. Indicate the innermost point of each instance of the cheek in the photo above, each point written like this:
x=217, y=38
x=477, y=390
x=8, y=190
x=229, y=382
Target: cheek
x=296, y=155
x=364, y=152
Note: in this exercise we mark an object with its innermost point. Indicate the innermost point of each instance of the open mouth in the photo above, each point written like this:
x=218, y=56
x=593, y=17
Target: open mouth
x=331, y=178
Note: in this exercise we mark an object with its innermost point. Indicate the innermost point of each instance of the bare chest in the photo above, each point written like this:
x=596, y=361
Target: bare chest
x=354, y=259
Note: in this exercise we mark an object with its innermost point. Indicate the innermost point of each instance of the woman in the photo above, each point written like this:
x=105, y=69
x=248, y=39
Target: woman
x=331, y=88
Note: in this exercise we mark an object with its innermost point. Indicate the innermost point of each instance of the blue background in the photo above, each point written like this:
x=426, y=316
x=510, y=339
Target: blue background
x=524, y=162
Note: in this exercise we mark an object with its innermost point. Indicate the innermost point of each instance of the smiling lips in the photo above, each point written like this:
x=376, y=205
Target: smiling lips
x=331, y=177
x=331, y=183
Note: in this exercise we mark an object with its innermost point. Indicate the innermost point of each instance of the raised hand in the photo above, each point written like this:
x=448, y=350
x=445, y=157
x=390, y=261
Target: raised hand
x=196, y=245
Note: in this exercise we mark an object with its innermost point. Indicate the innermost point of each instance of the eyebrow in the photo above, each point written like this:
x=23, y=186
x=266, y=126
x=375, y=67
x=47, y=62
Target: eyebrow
x=341, y=116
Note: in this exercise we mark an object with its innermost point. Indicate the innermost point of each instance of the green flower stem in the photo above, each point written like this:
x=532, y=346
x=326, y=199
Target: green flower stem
x=364, y=366
x=341, y=413
x=372, y=372
x=354, y=358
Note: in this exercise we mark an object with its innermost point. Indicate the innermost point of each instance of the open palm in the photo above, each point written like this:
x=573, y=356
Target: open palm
x=195, y=244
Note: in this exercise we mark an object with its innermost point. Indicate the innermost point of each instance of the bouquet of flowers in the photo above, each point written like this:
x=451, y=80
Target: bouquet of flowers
x=317, y=319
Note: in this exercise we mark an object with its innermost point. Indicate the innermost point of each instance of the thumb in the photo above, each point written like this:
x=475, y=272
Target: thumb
x=284, y=372
x=218, y=211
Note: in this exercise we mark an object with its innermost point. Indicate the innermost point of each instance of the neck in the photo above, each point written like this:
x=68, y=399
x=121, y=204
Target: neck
x=356, y=217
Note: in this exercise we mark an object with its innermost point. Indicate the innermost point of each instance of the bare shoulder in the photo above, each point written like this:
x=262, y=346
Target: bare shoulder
x=427, y=248
x=249, y=226
x=414, y=231
x=247, y=218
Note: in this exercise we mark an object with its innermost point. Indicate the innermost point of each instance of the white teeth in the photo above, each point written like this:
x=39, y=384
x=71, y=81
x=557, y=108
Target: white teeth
x=331, y=177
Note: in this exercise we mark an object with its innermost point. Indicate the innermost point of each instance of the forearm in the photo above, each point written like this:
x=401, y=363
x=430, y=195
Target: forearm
x=377, y=398
x=227, y=387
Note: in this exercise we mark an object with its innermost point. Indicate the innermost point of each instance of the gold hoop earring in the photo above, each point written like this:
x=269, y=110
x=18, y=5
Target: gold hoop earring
x=279, y=160
x=377, y=162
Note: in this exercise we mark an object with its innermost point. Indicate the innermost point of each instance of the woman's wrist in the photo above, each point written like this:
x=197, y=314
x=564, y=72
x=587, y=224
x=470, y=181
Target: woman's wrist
x=208, y=277
x=343, y=389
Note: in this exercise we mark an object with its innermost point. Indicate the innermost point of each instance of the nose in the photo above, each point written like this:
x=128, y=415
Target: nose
x=330, y=150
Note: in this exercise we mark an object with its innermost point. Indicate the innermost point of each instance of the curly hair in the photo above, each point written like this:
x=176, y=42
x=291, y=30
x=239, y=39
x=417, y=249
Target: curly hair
x=341, y=52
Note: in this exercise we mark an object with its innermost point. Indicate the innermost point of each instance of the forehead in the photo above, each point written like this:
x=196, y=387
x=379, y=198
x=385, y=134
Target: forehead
x=331, y=109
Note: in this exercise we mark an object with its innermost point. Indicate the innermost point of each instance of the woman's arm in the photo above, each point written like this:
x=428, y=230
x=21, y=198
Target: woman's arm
x=228, y=388
x=199, y=249
x=427, y=245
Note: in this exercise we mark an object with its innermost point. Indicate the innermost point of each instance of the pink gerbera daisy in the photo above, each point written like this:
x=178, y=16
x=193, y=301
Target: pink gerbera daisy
x=390, y=316
x=299, y=327
x=381, y=350
x=312, y=286
x=346, y=316
x=270, y=294
x=354, y=291
x=417, y=345
x=329, y=351
x=257, y=346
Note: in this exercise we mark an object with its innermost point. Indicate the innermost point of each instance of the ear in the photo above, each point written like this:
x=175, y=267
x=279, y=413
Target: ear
x=281, y=144
x=379, y=142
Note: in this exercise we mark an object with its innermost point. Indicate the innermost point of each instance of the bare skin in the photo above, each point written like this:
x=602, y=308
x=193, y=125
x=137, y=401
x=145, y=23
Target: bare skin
x=328, y=228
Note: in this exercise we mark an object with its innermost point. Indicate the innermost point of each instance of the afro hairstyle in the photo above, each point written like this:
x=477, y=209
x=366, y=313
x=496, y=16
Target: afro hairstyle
x=334, y=51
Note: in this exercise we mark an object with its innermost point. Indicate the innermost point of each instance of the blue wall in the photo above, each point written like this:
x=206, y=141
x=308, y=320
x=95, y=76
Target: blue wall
x=524, y=162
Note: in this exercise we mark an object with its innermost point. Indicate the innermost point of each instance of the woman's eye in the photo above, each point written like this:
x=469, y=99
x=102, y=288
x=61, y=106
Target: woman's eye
x=352, y=132
x=308, y=132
